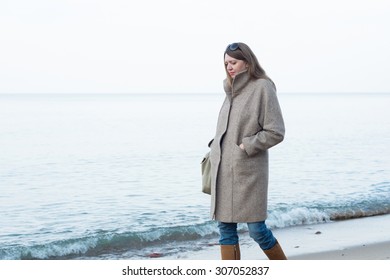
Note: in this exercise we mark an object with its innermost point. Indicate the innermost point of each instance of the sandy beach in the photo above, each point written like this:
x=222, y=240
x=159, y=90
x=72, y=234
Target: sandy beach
x=357, y=239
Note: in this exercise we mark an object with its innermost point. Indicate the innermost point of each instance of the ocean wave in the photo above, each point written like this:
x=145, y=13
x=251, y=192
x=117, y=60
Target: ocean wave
x=135, y=243
x=109, y=243
x=282, y=218
x=306, y=215
x=376, y=202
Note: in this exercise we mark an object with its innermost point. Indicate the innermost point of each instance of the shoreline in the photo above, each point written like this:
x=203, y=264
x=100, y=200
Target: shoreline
x=356, y=239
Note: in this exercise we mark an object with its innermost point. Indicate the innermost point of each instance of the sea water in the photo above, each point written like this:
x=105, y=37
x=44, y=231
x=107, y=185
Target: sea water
x=113, y=176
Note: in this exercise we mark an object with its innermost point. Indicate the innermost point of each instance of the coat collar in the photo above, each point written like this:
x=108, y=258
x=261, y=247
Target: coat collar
x=238, y=83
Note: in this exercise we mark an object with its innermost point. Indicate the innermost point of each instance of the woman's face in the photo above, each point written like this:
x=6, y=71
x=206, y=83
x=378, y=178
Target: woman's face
x=234, y=66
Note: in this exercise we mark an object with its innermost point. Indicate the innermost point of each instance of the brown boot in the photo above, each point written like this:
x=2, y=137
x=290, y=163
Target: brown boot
x=275, y=253
x=230, y=252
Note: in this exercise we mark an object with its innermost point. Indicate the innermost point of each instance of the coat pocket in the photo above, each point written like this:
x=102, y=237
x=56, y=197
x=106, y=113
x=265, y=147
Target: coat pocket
x=240, y=153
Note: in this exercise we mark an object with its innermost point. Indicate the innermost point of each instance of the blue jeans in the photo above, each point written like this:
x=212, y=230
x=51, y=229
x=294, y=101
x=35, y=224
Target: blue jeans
x=258, y=231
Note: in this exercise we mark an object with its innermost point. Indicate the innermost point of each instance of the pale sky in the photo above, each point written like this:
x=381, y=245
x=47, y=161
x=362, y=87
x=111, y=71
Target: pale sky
x=125, y=46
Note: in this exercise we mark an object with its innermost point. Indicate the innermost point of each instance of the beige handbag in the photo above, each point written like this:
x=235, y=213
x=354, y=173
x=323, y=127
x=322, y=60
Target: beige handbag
x=206, y=176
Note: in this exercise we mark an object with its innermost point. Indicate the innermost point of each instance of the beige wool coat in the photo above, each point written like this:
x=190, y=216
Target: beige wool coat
x=251, y=115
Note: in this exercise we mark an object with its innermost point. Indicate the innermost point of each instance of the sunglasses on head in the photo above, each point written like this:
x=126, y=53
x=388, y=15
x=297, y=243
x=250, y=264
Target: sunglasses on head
x=233, y=47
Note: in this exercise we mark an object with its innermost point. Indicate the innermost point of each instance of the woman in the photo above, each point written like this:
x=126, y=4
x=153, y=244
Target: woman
x=250, y=122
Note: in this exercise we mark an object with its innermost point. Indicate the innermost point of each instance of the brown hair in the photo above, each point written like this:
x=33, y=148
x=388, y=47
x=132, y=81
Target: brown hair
x=243, y=52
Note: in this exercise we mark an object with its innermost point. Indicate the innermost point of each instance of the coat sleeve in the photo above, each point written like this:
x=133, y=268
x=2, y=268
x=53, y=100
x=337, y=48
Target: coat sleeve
x=271, y=121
